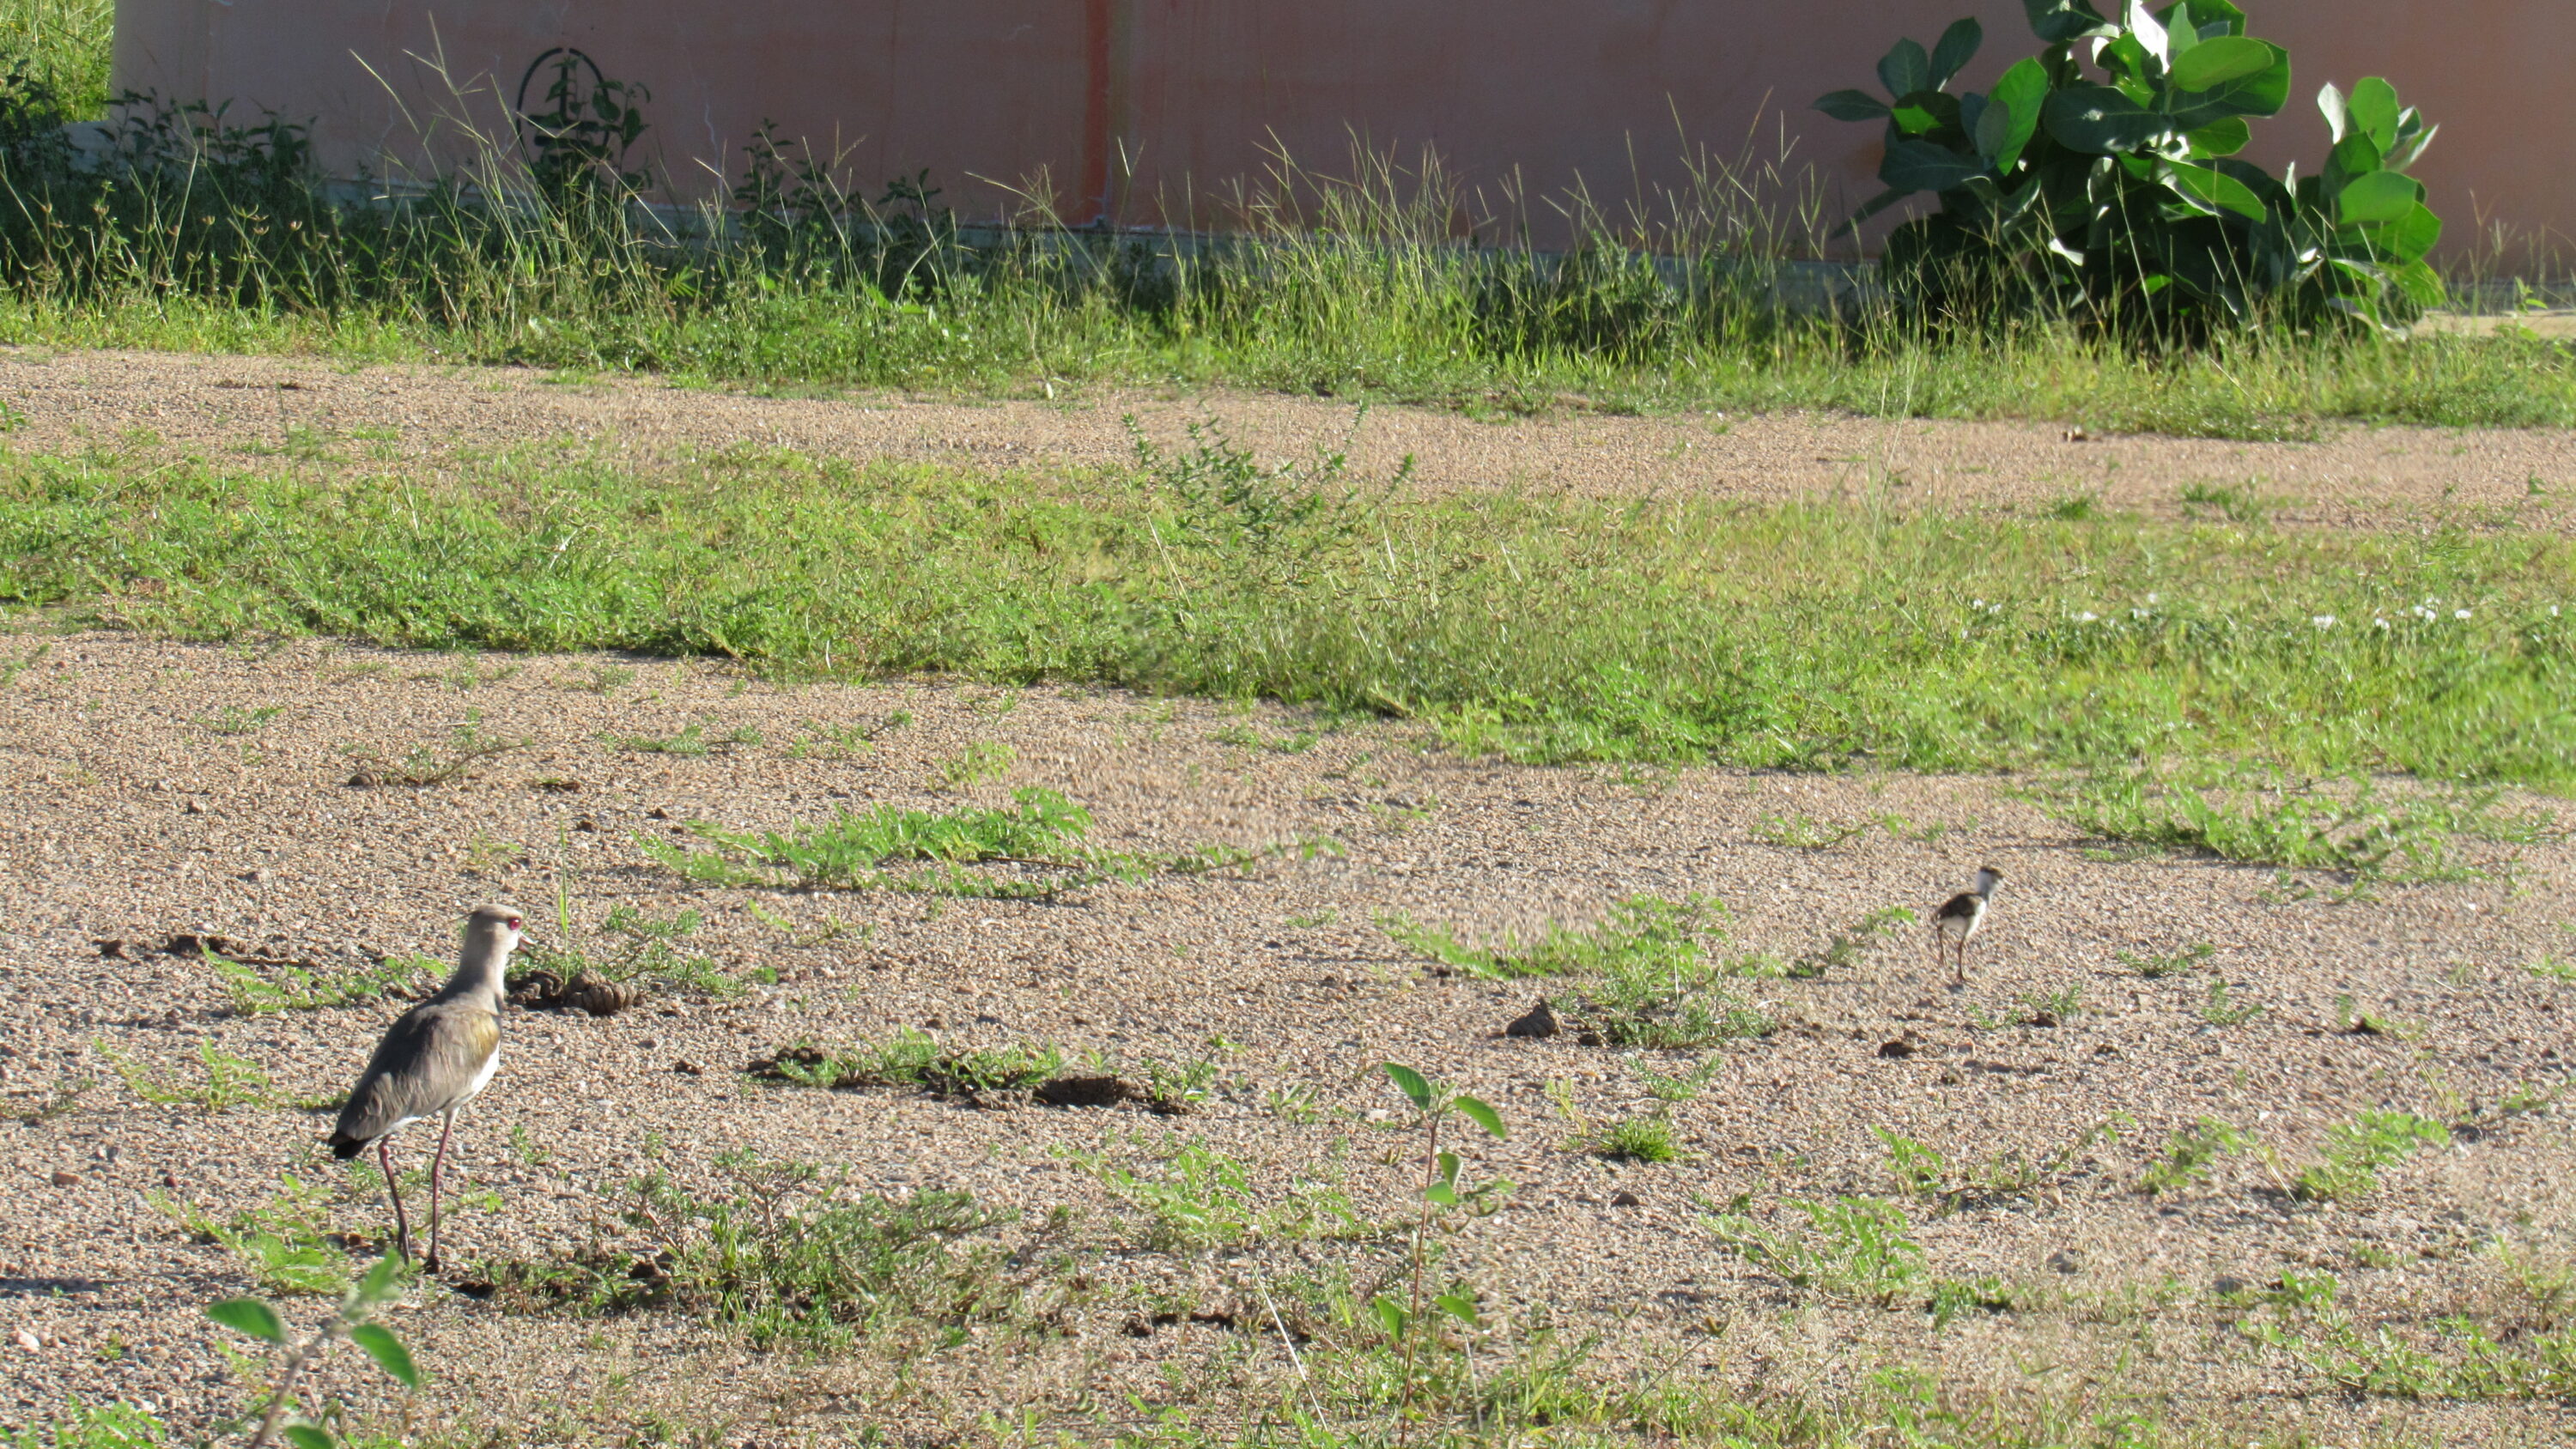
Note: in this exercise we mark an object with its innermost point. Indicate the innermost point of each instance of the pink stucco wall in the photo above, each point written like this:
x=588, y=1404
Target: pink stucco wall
x=1119, y=103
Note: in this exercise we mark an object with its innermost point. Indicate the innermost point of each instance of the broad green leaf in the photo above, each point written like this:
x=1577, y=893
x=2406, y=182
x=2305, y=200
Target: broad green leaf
x=2214, y=63
x=1441, y=1194
x=1956, y=47
x=2354, y=156
x=2150, y=36
x=1914, y=165
x=2407, y=238
x=2060, y=21
x=1411, y=1084
x=1390, y=1315
x=2411, y=141
x=2022, y=90
x=2261, y=93
x=250, y=1316
x=1448, y=1168
x=387, y=1351
x=307, y=1436
x=2132, y=67
x=382, y=1282
x=2099, y=121
x=2221, y=138
x=1925, y=111
x=1483, y=1116
x=2374, y=110
x=2275, y=196
x=1905, y=69
x=1458, y=1306
x=2378, y=196
x=2182, y=31
x=2420, y=282
x=2211, y=18
x=1852, y=106
x=2214, y=189
x=1991, y=131
x=2337, y=111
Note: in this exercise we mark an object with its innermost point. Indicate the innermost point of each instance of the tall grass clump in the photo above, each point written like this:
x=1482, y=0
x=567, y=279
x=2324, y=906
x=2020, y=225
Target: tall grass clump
x=541, y=240
x=61, y=45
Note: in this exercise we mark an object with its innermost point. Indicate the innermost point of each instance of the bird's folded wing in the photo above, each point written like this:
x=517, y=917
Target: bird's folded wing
x=424, y=1063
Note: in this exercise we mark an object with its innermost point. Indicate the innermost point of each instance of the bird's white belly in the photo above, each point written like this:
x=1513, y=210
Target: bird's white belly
x=482, y=1079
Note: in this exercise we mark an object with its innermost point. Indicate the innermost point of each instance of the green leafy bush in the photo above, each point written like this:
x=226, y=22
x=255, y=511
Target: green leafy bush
x=2112, y=190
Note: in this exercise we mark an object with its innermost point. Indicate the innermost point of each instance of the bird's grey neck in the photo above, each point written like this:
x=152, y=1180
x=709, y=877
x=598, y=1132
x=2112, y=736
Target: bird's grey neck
x=478, y=977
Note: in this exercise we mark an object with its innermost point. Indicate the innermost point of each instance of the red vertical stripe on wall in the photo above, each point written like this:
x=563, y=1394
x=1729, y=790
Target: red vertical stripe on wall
x=1092, y=205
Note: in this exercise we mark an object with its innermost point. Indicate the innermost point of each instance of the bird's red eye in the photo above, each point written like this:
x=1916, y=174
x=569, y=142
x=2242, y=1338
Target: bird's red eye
x=514, y=923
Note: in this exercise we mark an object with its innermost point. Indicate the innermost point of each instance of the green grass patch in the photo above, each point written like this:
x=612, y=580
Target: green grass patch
x=914, y=1059
x=2357, y=1151
x=259, y=990
x=784, y=1254
x=1647, y=1138
x=628, y=947
x=2190, y=1155
x=1040, y=836
x=2352, y=827
x=1802, y=636
x=1640, y=978
x=1851, y=1247
x=1199, y=1197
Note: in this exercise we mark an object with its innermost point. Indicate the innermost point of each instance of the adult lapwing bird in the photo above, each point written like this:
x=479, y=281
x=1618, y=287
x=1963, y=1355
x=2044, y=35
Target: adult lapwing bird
x=432, y=1062
x=1957, y=922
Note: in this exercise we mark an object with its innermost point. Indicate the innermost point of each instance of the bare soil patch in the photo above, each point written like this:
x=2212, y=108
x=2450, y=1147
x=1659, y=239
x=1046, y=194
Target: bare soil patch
x=2351, y=476
x=151, y=789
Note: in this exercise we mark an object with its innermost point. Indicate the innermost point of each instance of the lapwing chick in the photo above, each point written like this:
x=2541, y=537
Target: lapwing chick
x=1957, y=922
x=432, y=1062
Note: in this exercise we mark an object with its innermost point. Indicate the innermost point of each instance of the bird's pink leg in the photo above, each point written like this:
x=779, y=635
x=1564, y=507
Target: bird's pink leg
x=437, y=1169
x=393, y=1189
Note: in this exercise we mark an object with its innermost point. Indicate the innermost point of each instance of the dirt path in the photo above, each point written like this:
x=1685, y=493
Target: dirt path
x=148, y=789
x=2354, y=476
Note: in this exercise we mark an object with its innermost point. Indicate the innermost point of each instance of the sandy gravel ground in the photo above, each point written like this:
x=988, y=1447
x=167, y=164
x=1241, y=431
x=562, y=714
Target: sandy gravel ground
x=218, y=405
x=127, y=814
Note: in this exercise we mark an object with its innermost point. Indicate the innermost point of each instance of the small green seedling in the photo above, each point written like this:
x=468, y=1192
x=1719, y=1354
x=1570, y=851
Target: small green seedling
x=284, y=1416
x=1434, y=1103
x=2223, y=1010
